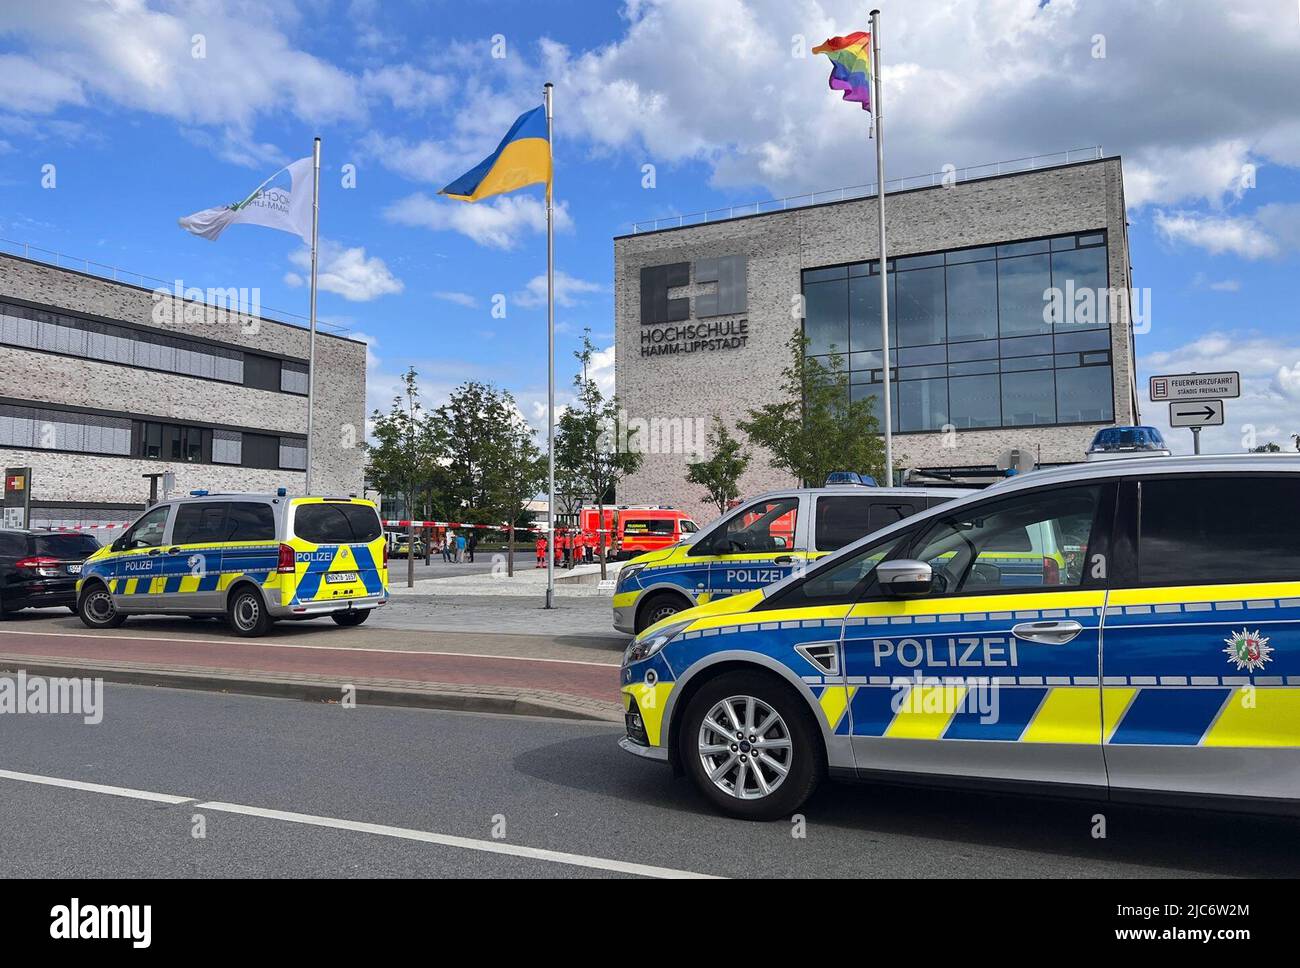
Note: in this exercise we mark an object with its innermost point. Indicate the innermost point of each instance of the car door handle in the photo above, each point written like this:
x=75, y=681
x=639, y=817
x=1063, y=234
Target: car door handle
x=1047, y=633
x=783, y=560
x=173, y=551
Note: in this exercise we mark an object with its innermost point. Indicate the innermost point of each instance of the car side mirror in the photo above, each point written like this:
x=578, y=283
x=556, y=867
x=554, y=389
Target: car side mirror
x=905, y=578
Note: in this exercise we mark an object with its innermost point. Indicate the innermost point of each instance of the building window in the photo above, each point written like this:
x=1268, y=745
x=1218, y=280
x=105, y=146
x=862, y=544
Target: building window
x=227, y=447
x=293, y=454
x=43, y=429
x=999, y=336
x=56, y=332
x=174, y=442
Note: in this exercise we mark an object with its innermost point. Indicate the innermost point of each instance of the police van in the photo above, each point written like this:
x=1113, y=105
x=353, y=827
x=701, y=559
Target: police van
x=251, y=558
x=915, y=655
x=760, y=542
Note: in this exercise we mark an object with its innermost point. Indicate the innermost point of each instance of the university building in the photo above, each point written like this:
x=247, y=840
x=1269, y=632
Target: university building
x=1010, y=322
x=103, y=383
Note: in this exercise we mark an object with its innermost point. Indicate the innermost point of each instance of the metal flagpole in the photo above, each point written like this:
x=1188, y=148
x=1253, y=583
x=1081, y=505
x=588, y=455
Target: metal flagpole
x=876, y=113
x=550, y=356
x=311, y=351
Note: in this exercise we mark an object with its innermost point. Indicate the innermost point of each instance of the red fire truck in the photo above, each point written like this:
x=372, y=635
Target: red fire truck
x=630, y=530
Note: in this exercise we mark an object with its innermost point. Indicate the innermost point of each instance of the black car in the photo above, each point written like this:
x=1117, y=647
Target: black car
x=39, y=569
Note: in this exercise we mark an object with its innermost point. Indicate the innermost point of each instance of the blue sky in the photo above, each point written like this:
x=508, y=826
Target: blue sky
x=719, y=96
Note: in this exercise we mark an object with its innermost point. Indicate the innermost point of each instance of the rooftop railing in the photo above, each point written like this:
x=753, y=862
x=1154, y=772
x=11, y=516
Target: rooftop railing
x=932, y=180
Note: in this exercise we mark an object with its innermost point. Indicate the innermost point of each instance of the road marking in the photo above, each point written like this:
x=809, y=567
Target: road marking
x=291, y=645
x=357, y=826
x=112, y=791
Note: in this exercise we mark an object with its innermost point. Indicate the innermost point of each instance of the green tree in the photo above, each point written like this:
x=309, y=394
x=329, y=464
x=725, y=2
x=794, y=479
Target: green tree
x=470, y=424
x=720, y=474
x=818, y=428
x=403, y=460
x=514, y=468
x=1269, y=448
x=593, y=455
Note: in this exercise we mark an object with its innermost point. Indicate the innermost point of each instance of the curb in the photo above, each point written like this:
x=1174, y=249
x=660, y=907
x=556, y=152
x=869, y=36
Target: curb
x=446, y=696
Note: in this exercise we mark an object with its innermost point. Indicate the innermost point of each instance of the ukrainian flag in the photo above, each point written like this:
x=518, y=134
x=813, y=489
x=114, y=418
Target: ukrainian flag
x=522, y=158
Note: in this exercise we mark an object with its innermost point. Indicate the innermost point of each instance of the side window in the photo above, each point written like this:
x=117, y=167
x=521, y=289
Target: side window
x=13, y=545
x=839, y=582
x=761, y=527
x=688, y=526
x=201, y=523
x=1015, y=544
x=1211, y=531
x=250, y=521
x=148, y=531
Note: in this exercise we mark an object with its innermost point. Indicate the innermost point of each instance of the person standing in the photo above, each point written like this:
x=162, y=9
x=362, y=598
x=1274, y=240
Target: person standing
x=541, y=552
x=472, y=543
x=460, y=548
x=448, y=545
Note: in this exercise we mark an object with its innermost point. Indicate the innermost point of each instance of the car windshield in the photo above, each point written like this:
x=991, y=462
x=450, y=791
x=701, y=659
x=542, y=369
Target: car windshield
x=74, y=547
x=340, y=523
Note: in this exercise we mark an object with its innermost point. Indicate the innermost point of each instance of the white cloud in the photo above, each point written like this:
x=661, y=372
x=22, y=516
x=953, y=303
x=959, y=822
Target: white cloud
x=345, y=271
x=406, y=87
x=568, y=290
x=499, y=224
x=142, y=58
x=602, y=370
x=459, y=298
x=29, y=87
x=1217, y=234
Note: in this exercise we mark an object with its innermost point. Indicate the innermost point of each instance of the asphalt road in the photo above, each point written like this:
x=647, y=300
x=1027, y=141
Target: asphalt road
x=426, y=778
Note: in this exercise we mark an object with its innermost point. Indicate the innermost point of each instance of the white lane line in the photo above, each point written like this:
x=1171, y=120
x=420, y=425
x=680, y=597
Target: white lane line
x=112, y=791
x=466, y=843
x=381, y=830
x=291, y=645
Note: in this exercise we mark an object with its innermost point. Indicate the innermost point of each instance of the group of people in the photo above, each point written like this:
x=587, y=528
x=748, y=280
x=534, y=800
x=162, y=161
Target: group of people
x=572, y=548
x=456, y=547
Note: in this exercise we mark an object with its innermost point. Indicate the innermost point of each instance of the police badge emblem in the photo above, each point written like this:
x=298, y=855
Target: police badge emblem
x=1248, y=651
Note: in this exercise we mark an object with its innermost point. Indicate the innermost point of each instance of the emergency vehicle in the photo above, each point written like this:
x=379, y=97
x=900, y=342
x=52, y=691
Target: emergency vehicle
x=631, y=530
x=252, y=558
x=759, y=542
x=914, y=655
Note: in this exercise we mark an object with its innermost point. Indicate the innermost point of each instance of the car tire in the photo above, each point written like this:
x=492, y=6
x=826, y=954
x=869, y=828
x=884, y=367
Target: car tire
x=246, y=612
x=658, y=607
x=96, y=610
x=350, y=619
x=802, y=756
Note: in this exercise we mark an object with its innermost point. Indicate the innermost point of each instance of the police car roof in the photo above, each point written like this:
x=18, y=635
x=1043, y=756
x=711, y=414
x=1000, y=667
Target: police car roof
x=865, y=491
x=1203, y=464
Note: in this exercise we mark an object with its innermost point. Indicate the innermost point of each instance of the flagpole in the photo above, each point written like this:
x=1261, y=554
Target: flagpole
x=877, y=113
x=550, y=355
x=311, y=351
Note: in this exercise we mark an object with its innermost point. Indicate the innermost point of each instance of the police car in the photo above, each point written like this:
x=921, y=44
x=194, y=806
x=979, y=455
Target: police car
x=914, y=655
x=252, y=558
x=758, y=543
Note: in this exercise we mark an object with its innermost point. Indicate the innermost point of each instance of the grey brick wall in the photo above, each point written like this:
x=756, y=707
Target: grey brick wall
x=337, y=457
x=780, y=245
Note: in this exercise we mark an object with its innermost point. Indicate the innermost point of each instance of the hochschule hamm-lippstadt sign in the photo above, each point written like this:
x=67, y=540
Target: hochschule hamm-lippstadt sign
x=665, y=322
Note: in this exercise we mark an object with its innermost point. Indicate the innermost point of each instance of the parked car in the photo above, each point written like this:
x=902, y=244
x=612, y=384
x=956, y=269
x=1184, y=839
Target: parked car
x=39, y=569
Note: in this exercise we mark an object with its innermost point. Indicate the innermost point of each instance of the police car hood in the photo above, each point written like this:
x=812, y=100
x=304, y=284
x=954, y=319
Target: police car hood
x=730, y=605
x=652, y=557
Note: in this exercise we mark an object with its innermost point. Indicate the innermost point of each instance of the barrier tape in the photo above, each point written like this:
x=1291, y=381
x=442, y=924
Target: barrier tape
x=490, y=527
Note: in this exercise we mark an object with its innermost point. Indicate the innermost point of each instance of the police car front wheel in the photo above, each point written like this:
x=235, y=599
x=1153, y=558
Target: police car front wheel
x=247, y=613
x=750, y=746
x=96, y=609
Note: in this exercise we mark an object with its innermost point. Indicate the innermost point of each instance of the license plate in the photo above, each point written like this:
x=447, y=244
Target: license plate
x=341, y=577
x=74, y=569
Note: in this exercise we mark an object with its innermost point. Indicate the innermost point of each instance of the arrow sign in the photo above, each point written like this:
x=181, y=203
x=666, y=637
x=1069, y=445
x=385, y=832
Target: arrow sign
x=1201, y=413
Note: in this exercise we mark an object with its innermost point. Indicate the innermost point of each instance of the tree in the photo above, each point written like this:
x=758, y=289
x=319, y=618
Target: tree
x=471, y=425
x=403, y=459
x=514, y=466
x=1269, y=448
x=587, y=444
x=818, y=428
x=720, y=474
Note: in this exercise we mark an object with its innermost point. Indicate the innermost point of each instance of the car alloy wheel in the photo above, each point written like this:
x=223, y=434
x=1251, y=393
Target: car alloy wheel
x=745, y=748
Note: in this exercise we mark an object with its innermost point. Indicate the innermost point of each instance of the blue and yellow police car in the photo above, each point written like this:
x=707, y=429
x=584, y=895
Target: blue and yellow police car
x=759, y=543
x=252, y=558
x=1161, y=660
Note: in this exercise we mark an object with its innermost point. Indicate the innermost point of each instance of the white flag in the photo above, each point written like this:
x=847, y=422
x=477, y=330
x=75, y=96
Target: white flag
x=276, y=207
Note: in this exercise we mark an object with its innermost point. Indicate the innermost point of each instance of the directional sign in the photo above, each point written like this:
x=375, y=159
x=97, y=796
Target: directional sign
x=1196, y=386
x=1196, y=413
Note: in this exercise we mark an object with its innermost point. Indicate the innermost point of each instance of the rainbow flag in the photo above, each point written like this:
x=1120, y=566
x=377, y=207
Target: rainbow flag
x=850, y=66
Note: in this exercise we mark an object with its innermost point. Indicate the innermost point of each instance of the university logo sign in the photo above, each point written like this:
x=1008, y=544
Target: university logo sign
x=668, y=325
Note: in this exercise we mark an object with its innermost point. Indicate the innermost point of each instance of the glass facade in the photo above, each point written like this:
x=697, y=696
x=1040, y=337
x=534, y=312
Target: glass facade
x=55, y=332
x=1000, y=336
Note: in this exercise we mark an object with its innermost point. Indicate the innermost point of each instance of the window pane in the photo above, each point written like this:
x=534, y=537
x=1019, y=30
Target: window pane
x=921, y=307
x=1028, y=398
x=250, y=521
x=838, y=583
x=764, y=526
x=973, y=301
x=1086, y=269
x=922, y=405
x=972, y=255
x=1186, y=537
x=875, y=392
x=1020, y=542
x=826, y=324
x=864, y=313
x=201, y=523
x=1084, y=395
x=841, y=520
x=975, y=401
x=148, y=531
x=1023, y=286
